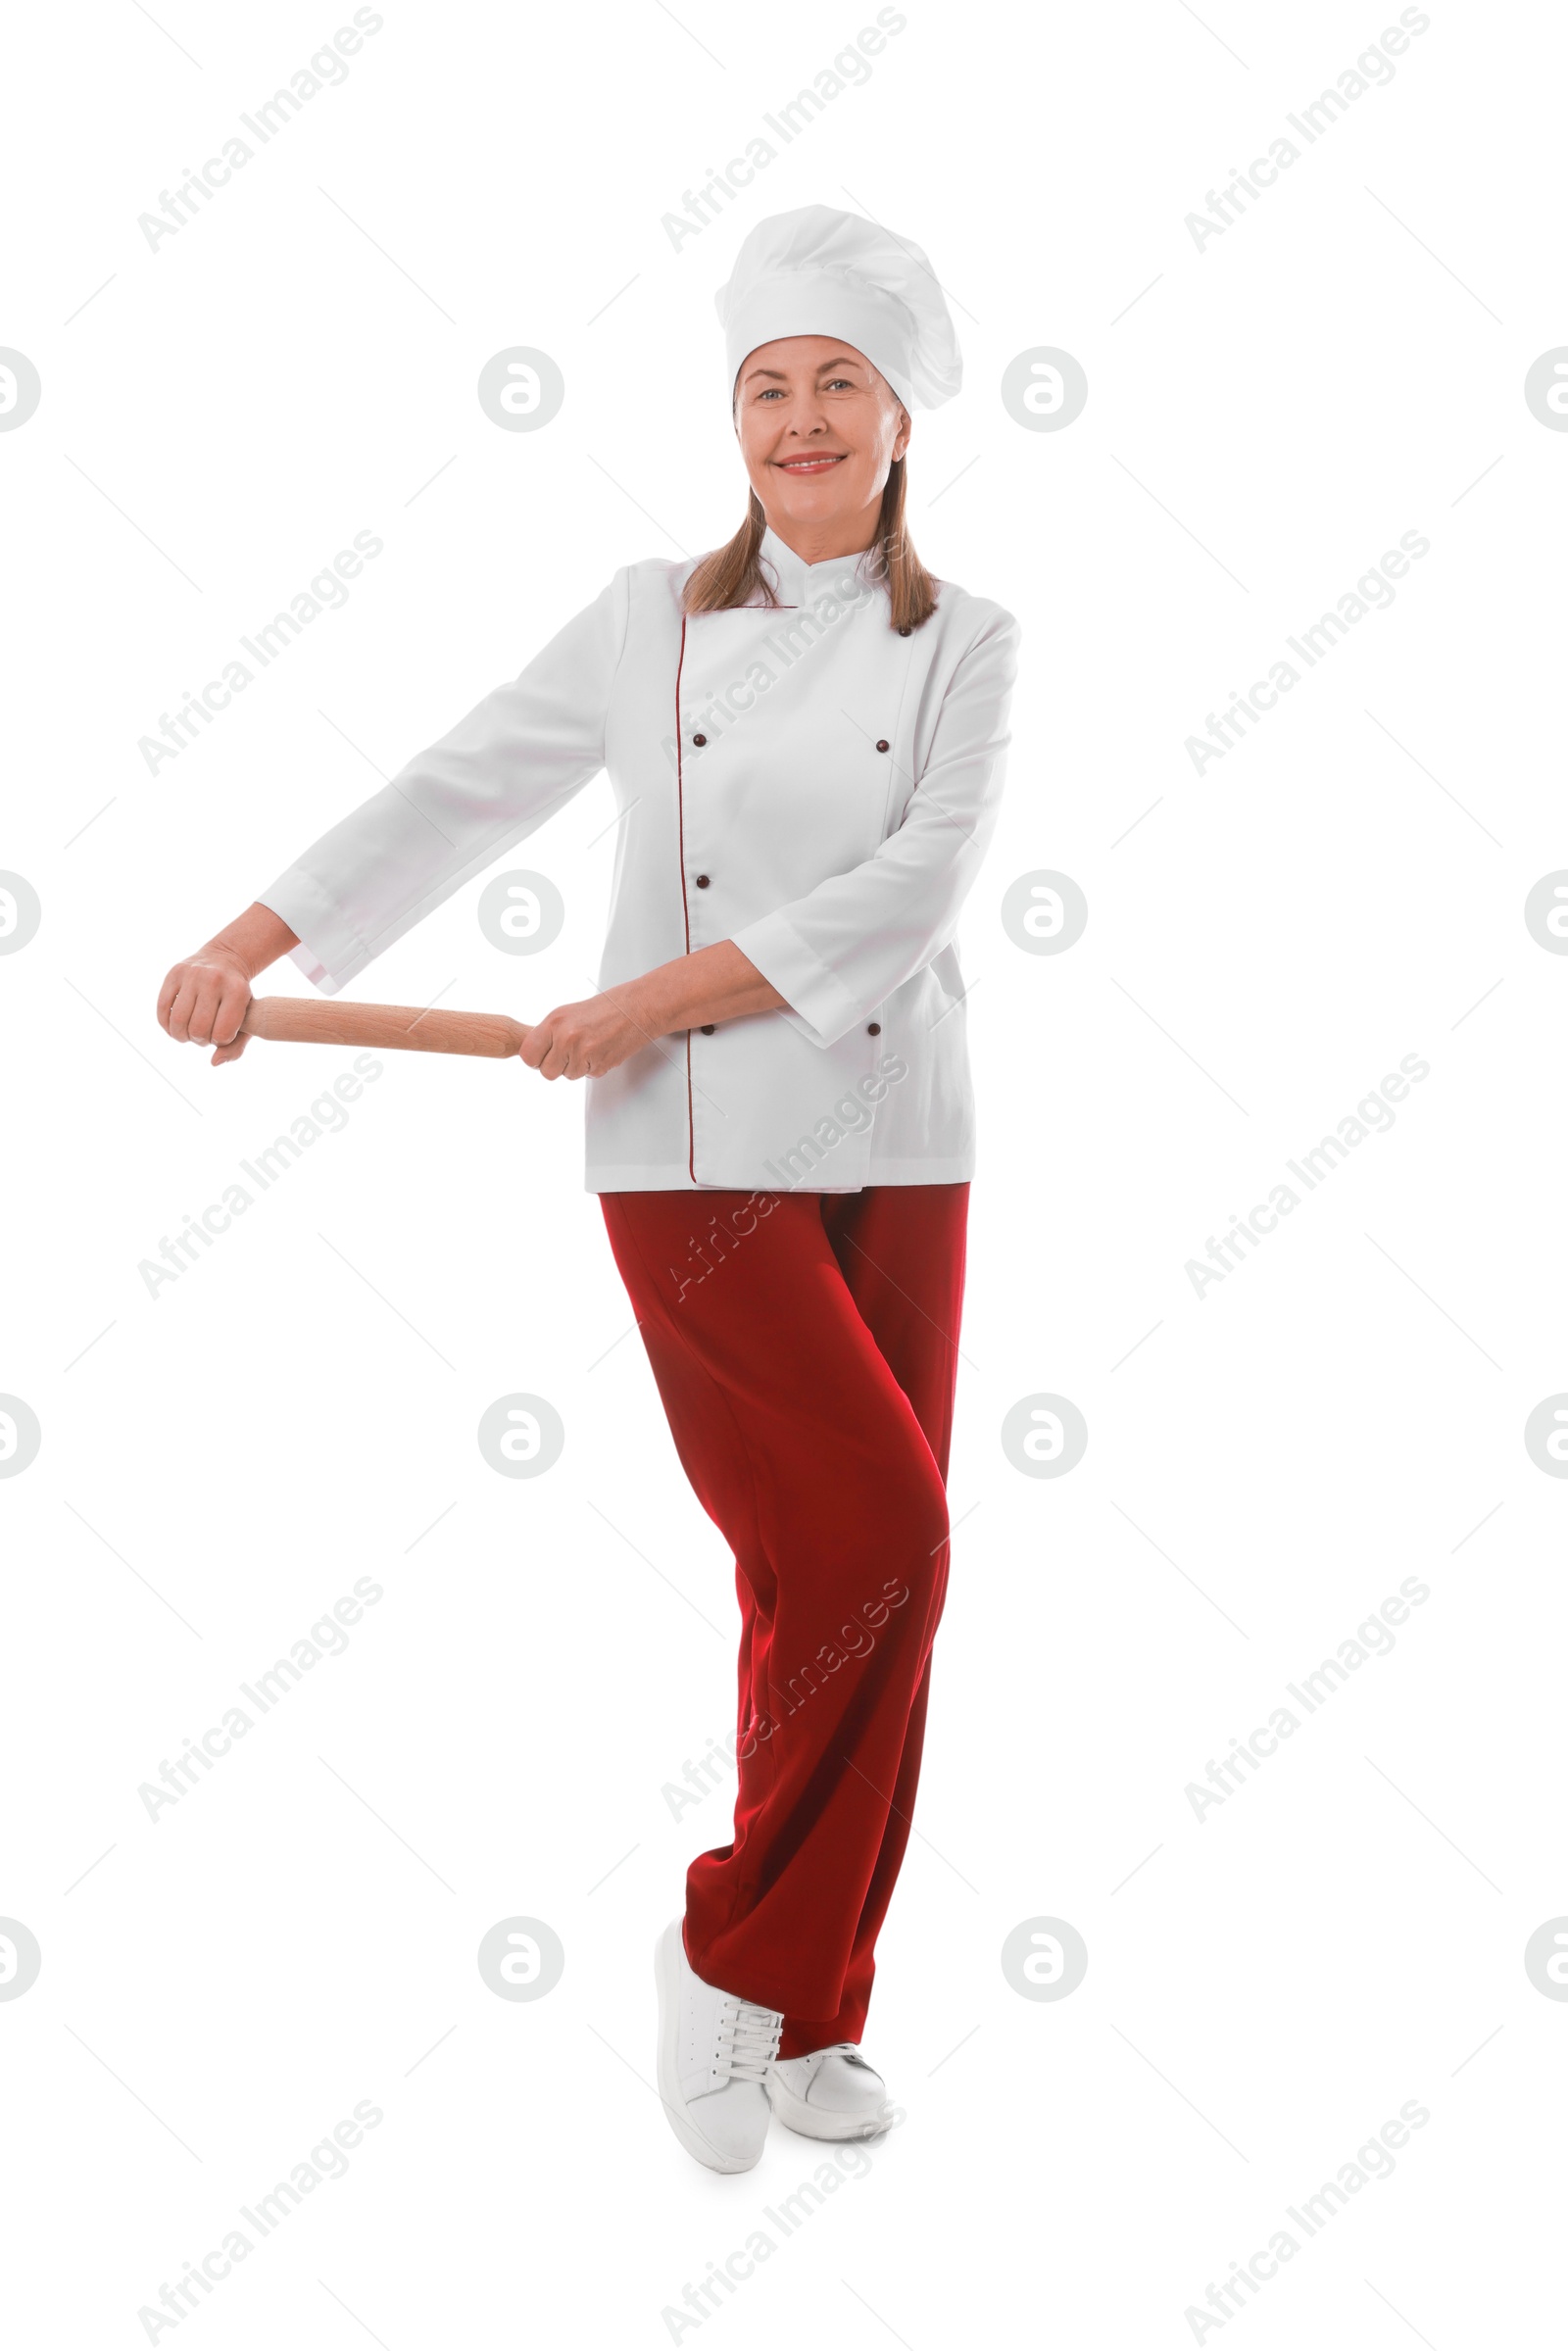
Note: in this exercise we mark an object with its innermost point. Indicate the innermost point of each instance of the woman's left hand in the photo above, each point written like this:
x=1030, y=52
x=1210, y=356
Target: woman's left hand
x=583, y=1041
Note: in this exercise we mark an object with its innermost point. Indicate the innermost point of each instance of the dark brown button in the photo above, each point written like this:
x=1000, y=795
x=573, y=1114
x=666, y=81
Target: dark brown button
x=882, y=745
x=699, y=739
x=707, y=1028
x=874, y=1028
x=702, y=881
x=905, y=632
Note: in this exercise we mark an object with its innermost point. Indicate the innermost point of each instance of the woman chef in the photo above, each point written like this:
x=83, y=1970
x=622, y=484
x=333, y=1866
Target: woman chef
x=805, y=732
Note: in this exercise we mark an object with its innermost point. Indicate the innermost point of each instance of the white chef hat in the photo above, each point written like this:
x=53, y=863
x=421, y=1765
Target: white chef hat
x=817, y=271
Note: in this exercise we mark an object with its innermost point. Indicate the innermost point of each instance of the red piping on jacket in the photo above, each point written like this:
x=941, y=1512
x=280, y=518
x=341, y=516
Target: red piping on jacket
x=681, y=825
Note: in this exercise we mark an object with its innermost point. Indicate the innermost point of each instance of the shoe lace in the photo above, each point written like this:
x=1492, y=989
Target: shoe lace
x=748, y=2039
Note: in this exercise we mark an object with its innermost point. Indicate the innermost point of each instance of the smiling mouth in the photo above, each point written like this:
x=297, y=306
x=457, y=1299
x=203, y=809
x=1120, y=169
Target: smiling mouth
x=809, y=464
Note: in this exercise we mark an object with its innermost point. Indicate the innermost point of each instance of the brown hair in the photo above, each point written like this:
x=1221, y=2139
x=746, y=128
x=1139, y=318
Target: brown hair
x=730, y=575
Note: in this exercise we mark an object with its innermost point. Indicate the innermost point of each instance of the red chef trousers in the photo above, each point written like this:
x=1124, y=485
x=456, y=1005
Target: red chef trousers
x=805, y=1345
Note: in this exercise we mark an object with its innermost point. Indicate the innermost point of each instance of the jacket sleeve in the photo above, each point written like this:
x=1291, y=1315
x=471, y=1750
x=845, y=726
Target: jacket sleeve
x=519, y=755
x=839, y=952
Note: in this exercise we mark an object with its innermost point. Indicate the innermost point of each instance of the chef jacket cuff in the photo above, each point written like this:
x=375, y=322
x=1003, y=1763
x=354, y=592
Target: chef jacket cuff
x=816, y=1002
x=329, y=952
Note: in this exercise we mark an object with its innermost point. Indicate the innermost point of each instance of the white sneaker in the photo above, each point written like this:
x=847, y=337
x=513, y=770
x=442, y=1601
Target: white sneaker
x=833, y=2093
x=713, y=2055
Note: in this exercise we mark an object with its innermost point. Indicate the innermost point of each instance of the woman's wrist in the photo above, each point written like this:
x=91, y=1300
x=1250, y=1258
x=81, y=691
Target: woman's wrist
x=657, y=1002
x=717, y=983
x=251, y=942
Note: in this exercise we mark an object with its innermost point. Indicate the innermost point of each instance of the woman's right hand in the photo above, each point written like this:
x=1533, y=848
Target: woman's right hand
x=203, y=1001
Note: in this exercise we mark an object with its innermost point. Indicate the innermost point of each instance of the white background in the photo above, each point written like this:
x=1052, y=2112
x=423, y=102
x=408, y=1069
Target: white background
x=1266, y=1985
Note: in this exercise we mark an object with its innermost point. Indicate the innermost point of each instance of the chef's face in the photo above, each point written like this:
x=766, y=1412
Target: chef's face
x=818, y=428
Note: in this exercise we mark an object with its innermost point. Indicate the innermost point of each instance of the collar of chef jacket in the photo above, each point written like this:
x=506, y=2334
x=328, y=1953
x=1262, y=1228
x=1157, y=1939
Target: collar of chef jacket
x=799, y=582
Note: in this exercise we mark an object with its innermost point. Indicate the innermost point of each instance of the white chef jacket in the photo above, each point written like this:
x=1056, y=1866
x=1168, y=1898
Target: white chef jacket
x=805, y=781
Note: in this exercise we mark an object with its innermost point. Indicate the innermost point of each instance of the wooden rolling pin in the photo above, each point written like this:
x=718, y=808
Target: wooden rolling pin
x=302, y=1020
